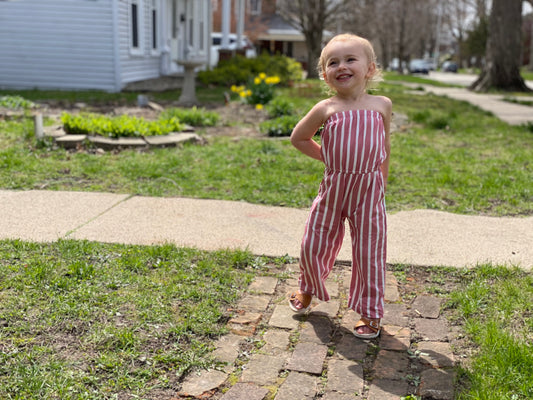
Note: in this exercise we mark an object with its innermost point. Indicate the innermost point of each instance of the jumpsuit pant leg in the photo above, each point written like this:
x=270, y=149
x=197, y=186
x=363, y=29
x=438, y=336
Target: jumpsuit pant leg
x=323, y=237
x=369, y=240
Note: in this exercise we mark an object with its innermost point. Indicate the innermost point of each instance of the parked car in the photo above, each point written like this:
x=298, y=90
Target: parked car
x=216, y=43
x=419, y=66
x=431, y=65
x=449, y=66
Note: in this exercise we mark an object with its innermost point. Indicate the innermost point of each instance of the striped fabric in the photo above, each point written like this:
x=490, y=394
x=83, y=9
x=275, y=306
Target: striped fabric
x=352, y=189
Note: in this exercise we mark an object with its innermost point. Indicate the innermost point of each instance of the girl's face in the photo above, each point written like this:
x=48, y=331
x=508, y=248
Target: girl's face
x=347, y=66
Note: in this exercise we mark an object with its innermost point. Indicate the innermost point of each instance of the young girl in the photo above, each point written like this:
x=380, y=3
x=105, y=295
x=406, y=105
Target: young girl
x=355, y=150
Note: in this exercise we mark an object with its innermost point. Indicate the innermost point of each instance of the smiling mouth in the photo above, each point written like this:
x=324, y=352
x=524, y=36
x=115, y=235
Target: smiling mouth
x=343, y=77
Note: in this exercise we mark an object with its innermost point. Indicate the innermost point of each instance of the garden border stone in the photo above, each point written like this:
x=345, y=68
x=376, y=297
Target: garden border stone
x=70, y=141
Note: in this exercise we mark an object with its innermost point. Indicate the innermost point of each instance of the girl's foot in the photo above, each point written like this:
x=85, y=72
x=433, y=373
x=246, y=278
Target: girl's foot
x=367, y=328
x=300, y=302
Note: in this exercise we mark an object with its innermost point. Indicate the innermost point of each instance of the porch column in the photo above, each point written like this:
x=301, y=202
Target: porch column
x=240, y=23
x=226, y=20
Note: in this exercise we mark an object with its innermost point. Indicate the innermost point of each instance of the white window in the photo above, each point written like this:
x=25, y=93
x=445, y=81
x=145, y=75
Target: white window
x=154, y=15
x=136, y=26
x=255, y=7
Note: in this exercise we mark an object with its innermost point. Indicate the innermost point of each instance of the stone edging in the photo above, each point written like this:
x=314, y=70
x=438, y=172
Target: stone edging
x=69, y=141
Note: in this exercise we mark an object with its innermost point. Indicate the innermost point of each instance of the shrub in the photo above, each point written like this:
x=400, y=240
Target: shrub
x=122, y=126
x=240, y=70
x=15, y=102
x=281, y=126
x=280, y=106
x=193, y=116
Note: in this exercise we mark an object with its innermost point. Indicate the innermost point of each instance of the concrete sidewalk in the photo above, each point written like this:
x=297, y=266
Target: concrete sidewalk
x=421, y=237
x=512, y=113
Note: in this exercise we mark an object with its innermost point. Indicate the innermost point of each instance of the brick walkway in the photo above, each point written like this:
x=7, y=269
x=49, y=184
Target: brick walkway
x=273, y=353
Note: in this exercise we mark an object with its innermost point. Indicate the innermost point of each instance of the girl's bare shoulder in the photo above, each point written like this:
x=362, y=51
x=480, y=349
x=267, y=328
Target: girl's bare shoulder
x=324, y=109
x=381, y=104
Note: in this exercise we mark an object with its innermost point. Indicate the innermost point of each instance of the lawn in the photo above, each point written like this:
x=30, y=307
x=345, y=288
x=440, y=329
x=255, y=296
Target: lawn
x=450, y=156
x=142, y=317
x=82, y=320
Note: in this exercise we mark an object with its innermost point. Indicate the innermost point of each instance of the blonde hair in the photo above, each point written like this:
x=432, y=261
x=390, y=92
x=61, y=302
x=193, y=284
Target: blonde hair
x=369, y=52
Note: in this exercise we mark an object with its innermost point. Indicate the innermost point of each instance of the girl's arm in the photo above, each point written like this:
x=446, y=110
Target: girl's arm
x=387, y=116
x=303, y=132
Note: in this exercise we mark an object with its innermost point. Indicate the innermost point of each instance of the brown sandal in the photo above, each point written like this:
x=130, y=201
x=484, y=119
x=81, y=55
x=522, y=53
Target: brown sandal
x=373, y=325
x=303, y=298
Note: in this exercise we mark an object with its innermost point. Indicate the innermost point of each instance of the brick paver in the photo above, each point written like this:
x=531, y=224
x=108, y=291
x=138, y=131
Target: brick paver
x=345, y=377
x=308, y=357
x=297, y=386
x=315, y=355
x=427, y=306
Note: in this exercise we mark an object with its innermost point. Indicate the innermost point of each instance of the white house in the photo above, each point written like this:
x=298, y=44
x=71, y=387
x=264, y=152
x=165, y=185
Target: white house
x=98, y=44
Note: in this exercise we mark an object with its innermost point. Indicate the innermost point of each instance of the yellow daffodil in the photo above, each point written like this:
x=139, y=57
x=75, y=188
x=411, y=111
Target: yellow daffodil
x=258, y=106
x=257, y=80
x=272, y=80
x=262, y=75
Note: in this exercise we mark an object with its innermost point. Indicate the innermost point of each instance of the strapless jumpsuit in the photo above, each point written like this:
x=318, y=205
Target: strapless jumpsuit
x=353, y=149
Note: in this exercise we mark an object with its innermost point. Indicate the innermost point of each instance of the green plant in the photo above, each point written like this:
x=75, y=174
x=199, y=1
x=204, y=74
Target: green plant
x=259, y=91
x=16, y=102
x=124, y=125
x=240, y=70
x=280, y=106
x=193, y=116
x=281, y=126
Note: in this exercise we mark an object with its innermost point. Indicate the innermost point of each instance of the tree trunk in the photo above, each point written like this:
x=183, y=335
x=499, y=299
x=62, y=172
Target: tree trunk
x=314, y=47
x=502, y=65
x=313, y=18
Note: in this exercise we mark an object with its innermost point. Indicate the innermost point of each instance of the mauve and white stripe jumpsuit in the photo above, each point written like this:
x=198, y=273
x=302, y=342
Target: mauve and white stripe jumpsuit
x=353, y=149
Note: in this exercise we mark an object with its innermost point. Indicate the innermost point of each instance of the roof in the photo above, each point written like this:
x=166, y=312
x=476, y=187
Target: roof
x=280, y=29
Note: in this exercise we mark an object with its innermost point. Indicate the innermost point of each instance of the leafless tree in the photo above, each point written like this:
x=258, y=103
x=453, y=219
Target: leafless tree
x=401, y=29
x=312, y=17
x=459, y=19
x=462, y=17
x=504, y=47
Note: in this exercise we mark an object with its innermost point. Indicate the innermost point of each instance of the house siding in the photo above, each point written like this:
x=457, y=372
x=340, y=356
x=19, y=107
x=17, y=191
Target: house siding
x=71, y=44
x=57, y=44
x=137, y=67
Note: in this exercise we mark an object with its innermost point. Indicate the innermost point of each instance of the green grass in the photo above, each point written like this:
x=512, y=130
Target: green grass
x=526, y=74
x=67, y=98
x=494, y=306
x=401, y=78
x=85, y=320
x=452, y=157
x=456, y=157
x=519, y=100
